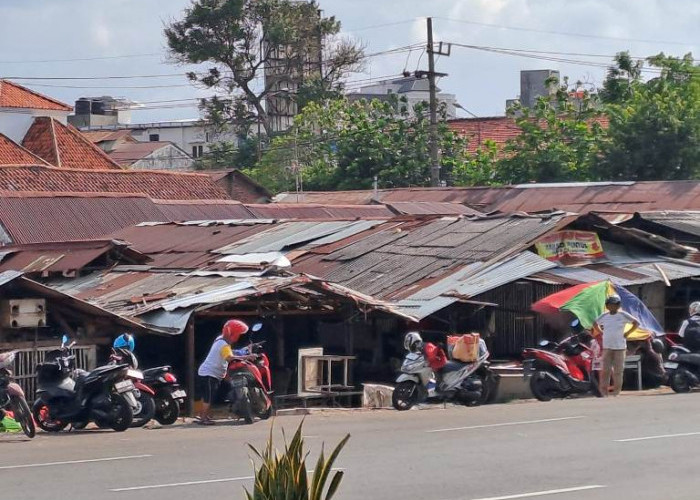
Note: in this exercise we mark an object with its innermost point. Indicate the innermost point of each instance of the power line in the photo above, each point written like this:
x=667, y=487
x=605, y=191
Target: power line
x=562, y=33
x=80, y=59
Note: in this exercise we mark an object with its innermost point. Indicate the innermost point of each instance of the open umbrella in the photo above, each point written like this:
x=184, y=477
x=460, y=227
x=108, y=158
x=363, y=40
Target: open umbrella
x=587, y=301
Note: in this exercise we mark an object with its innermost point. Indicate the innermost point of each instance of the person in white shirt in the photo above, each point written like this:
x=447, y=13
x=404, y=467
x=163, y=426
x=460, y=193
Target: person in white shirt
x=611, y=325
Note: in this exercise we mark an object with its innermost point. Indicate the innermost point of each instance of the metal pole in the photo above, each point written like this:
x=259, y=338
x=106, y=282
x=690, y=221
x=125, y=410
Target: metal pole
x=189, y=354
x=434, y=159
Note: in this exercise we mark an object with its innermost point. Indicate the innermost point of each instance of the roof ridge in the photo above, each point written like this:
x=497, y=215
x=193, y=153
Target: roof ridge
x=120, y=171
x=19, y=146
x=78, y=135
x=54, y=140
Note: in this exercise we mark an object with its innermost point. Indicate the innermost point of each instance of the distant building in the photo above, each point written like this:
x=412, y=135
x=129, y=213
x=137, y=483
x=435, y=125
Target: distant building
x=19, y=106
x=121, y=147
x=414, y=90
x=109, y=114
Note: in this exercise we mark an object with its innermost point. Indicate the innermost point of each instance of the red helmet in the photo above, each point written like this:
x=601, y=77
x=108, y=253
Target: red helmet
x=233, y=329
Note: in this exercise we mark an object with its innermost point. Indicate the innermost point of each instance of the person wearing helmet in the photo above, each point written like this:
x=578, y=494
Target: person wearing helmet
x=434, y=354
x=690, y=328
x=611, y=325
x=124, y=341
x=213, y=369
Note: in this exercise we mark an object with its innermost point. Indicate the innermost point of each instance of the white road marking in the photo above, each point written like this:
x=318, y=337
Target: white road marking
x=505, y=424
x=70, y=462
x=194, y=483
x=663, y=436
x=547, y=492
x=188, y=483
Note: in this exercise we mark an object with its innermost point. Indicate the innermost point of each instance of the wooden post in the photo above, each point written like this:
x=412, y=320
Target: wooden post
x=189, y=354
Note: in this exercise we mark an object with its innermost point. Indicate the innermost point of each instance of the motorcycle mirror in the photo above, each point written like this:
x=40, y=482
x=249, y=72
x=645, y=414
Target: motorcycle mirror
x=64, y=340
x=575, y=323
x=544, y=343
x=257, y=327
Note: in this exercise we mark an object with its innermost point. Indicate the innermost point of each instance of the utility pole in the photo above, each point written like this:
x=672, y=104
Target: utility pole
x=431, y=74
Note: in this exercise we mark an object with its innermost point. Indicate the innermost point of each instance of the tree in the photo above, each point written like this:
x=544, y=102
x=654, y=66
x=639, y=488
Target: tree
x=654, y=129
x=339, y=144
x=560, y=140
x=241, y=40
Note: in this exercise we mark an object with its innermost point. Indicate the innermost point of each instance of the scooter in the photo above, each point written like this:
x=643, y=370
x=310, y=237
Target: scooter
x=12, y=396
x=682, y=369
x=251, y=382
x=465, y=383
x=69, y=396
x=145, y=408
x=558, y=370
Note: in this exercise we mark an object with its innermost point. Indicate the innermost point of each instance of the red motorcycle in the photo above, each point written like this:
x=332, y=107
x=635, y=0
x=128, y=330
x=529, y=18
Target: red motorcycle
x=251, y=382
x=558, y=370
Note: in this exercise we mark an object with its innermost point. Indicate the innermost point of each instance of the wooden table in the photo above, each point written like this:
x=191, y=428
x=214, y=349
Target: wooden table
x=328, y=360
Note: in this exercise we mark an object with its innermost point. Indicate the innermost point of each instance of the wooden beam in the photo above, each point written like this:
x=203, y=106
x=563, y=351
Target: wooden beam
x=189, y=354
x=219, y=314
x=56, y=314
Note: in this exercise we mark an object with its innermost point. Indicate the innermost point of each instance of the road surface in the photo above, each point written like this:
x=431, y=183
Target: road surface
x=632, y=447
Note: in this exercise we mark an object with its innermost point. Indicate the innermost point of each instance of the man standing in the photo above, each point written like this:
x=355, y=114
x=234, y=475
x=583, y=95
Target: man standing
x=611, y=325
x=213, y=370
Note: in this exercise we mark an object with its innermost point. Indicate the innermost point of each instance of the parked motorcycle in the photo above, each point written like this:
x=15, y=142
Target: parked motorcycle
x=12, y=396
x=169, y=396
x=68, y=396
x=558, y=370
x=251, y=382
x=145, y=406
x=469, y=384
x=682, y=369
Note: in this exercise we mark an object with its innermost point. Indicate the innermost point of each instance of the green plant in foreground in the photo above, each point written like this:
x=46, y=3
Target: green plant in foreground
x=283, y=476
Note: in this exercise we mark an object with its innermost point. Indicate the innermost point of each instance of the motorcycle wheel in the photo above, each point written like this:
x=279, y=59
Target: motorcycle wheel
x=680, y=383
x=167, y=410
x=245, y=408
x=539, y=386
x=260, y=407
x=121, y=412
x=147, y=411
x=489, y=388
x=40, y=411
x=405, y=395
x=23, y=415
x=79, y=426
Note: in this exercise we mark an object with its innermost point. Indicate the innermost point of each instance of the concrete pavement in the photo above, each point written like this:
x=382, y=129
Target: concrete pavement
x=632, y=447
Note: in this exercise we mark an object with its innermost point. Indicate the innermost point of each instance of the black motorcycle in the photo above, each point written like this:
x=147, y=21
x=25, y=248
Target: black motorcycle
x=169, y=395
x=66, y=395
x=682, y=369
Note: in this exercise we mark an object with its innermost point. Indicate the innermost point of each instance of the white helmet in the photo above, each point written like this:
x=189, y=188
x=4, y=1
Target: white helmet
x=694, y=308
x=411, y=341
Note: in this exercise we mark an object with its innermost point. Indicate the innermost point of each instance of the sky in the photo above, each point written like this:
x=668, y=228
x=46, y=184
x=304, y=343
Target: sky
x=61, y=40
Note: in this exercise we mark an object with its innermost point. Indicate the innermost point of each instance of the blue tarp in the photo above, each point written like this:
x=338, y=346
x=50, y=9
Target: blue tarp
x=635, y=307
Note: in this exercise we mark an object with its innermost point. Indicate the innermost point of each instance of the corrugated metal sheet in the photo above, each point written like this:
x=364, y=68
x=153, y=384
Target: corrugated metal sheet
x=431, y=208
x=174, y=211
x=687, y=221
x=7, y=276
x=312, y=211
x=624, y=275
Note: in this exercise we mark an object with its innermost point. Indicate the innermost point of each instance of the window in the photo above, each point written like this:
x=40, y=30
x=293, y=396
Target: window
x=197, y=151
x=154, y=137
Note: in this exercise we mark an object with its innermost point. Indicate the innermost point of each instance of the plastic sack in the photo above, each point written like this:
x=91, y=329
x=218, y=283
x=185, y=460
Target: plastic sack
x=465, y=347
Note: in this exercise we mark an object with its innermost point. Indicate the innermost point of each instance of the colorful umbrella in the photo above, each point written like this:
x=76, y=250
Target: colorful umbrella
x=587, y=302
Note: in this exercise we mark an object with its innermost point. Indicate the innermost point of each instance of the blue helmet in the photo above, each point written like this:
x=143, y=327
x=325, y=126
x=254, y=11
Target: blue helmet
x=124, y=341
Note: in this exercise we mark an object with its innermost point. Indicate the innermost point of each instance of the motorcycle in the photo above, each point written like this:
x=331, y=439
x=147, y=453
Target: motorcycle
x=12, y=396
x=470, y=384
x=682, y=369
x=250, y=382
x=66, y=395
x=558, y=370
x=145, y=408
x=169, y=397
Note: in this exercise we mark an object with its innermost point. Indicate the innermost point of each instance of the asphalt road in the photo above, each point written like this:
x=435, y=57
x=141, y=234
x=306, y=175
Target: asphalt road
x=632, y=447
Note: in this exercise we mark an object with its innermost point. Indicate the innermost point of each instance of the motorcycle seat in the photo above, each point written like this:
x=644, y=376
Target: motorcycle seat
x=155, y=372
x=452, y=366
x=692, y=358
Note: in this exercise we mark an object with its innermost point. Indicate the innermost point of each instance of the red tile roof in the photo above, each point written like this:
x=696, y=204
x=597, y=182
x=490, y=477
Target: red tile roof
x=64, y=146
x=13, y=95
x=497, y=129
x=154, y=183
x=12, y=153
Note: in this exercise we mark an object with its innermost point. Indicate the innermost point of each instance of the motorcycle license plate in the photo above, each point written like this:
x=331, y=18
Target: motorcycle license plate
x=179, y=394
x=670, y=365
x=238, y=382
x=124, y=386
x=135, y=374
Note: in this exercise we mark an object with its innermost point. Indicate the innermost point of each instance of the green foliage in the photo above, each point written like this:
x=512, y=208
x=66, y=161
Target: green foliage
x=560, y=140
x=284, y=476
x=339, y=144
x=239, y=39
x=655, y=124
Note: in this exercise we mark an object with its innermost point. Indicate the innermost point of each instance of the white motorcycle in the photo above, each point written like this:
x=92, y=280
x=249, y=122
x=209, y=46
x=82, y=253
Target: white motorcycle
x=470, y=384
